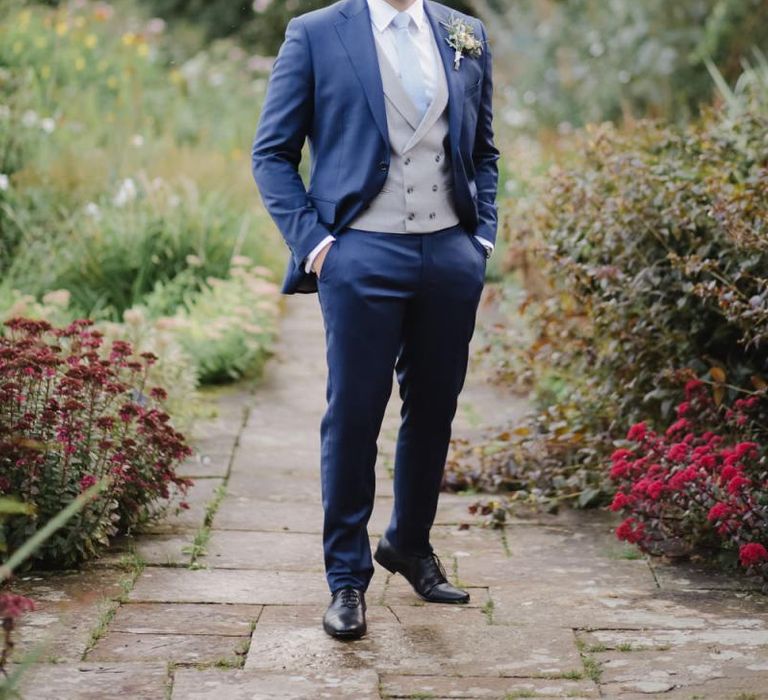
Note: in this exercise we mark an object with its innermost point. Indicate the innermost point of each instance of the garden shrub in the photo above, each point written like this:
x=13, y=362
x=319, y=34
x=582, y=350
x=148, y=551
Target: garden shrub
x=651, y=256
x=229, y=326
x=72, y=412
x=701, y=485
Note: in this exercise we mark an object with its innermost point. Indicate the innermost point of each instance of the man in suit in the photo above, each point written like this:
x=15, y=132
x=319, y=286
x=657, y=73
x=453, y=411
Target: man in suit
x=392, y=232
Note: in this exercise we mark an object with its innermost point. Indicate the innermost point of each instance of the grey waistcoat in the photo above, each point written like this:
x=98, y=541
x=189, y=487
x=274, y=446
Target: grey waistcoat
x=417, y=195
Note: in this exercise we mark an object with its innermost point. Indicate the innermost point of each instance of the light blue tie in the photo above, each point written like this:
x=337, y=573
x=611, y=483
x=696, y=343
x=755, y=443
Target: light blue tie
x=411, y=74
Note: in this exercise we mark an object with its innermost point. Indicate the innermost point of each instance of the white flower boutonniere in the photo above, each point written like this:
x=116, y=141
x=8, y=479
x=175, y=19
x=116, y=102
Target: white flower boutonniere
x=461, y=38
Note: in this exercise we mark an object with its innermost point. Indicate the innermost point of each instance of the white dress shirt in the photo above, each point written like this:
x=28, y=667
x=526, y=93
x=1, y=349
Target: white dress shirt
x=382, y=14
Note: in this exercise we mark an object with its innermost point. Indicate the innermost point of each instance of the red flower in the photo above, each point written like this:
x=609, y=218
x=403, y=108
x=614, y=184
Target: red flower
x=87, y=481
x=13, y=606
x=681, y=478
x=620, y=500
x=737, y=483
x=683, y=408
x=752, y=553
x=620, y=455
x=655, y=489
x=637, y=432
x=619, y=469
x=692, y=387
x=677, y=426
x=630, y=530
x=748, y=449
x=719, y=511
x=677, y=452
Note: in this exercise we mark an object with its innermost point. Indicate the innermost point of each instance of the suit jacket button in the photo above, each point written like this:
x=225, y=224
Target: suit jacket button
x=383, y=166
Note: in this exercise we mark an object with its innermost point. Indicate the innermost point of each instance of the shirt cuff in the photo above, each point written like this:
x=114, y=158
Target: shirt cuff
x=489, y=246
x=313, y=253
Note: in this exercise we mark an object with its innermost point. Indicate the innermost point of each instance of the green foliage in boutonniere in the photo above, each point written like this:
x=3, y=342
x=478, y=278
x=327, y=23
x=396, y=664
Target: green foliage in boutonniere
x=461, y=38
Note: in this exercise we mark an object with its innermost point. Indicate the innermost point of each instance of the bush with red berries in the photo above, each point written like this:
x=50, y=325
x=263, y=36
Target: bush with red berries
x=701, y=485
x=73, y=412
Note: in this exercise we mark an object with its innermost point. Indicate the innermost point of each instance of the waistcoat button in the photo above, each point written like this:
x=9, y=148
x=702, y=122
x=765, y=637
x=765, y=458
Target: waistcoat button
x=411, y=216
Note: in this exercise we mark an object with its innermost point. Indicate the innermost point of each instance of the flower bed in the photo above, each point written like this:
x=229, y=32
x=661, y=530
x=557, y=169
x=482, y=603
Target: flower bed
x=71, y=413
x=701, y=486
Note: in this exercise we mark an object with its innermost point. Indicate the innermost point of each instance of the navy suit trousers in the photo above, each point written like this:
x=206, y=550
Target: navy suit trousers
x=391, y=302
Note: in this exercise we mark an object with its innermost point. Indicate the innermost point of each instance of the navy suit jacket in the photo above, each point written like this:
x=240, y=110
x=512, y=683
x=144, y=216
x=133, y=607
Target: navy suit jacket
x=326, y=87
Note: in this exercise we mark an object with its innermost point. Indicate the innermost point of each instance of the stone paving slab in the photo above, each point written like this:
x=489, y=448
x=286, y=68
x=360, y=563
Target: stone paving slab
x=235, y=549
x=415, y=650
x=166, y=550
x=203, y=465
x=660, y=660
x=483, y=687
x=712, y=689
x=183, y=618
x=69, y=606
x=459, y=616
x=95, y=681
x=190, y=684
x=179, y=648
x=229, y=586
x=283, y=515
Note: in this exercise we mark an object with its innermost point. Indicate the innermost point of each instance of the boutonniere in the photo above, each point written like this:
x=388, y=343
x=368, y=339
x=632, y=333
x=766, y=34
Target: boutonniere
x=461, y=38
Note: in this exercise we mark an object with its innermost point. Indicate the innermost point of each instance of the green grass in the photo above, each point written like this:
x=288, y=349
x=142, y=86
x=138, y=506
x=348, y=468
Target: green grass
x=488, y=610
x=133, y=564
x=197, y=548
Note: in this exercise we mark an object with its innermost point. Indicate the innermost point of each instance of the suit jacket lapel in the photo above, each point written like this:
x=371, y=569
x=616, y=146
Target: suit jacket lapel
x=355, y=31
x=455, y=78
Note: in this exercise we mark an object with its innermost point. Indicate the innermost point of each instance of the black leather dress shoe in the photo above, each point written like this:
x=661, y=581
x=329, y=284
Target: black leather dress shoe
x=425, y=574
x=345, y=617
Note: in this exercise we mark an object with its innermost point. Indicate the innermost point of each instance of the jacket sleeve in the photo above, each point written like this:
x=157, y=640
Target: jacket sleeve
x=285, y=123
x=485, y=154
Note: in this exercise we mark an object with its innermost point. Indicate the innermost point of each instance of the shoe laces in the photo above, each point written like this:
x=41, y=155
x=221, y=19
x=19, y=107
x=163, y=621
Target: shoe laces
x=350, y=597
x=436, y=567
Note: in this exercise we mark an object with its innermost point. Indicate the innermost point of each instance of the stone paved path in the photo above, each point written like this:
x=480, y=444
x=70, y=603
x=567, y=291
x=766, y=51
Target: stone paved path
x=225, y=602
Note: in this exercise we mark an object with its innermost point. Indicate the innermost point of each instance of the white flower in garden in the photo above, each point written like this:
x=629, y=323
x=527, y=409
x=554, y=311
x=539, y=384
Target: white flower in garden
x=92, y=209
x=260, y=6
x=194, y=261
x=125, y=193
x=156, y=25
x=29, y=118
x=58, y=297
x=5, y=182
x=48, y=125
x=216, y=79
x=133, y=317
x=240, y=260
x=137, y=140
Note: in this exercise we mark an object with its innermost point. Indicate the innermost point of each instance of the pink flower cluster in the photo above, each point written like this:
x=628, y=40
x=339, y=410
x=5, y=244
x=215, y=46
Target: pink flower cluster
x=72, y=413
x=700, y=483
